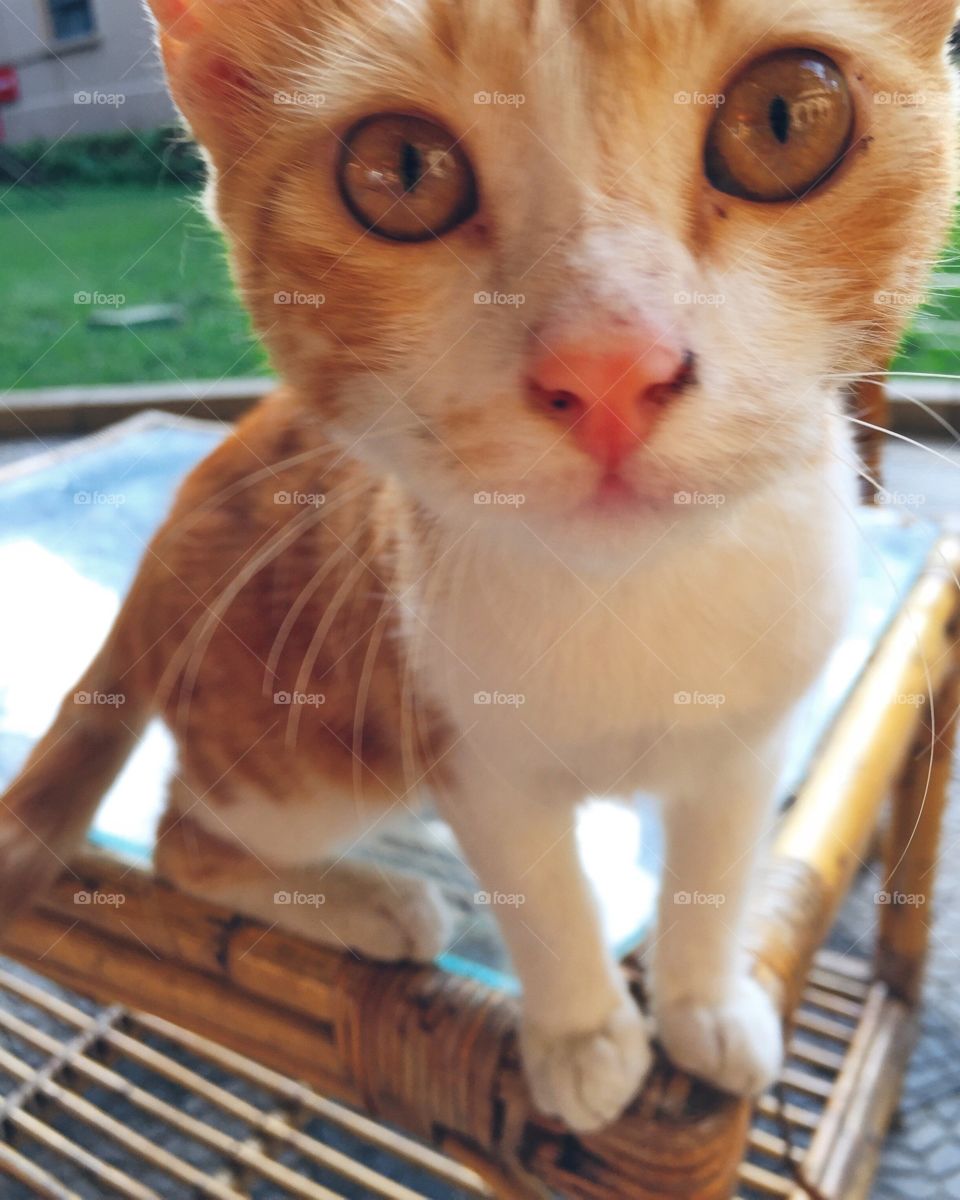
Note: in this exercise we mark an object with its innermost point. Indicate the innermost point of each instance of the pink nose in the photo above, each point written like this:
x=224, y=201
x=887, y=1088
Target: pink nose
x=610, y=397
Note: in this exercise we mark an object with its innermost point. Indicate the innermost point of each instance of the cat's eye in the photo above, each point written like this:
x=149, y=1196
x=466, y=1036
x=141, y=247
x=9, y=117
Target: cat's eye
x=406, y=178
x=785, y=125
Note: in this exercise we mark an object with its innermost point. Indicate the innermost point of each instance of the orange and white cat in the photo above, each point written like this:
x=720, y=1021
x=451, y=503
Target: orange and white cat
x=562, y=295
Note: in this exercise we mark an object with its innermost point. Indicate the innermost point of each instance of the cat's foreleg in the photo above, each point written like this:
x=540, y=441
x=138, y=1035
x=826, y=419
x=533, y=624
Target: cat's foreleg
x=585, y=1043
x=713, y=1019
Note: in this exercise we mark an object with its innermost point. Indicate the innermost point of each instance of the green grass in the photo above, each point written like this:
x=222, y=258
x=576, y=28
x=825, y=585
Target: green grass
x=151, y=245
x=146, y=245
x=936, y=351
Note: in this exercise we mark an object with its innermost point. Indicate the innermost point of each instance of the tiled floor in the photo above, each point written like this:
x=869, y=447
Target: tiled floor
x=921, y=1159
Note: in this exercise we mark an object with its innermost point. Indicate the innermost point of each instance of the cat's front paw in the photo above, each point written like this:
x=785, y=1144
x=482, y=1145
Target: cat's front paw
x=588, y=1079
x=736, y=1045
x=400, y=919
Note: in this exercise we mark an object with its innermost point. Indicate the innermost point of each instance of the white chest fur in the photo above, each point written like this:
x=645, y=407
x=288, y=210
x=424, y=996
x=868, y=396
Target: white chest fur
x=729, y=616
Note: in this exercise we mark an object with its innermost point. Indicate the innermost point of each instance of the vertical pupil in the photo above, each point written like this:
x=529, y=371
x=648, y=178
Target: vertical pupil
x=780, y=119
x=411, y=167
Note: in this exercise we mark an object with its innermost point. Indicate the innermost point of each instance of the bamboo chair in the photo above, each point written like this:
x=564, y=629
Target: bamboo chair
x=433, y=1053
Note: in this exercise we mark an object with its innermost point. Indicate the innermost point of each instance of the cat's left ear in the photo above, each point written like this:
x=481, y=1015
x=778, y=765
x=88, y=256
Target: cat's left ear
x=923, y=23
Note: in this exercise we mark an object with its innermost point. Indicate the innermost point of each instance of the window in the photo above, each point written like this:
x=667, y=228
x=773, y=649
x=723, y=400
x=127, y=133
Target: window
x=70, y=18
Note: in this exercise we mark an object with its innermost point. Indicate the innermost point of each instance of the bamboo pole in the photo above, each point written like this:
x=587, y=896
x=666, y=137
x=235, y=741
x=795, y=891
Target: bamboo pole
x=913, y=850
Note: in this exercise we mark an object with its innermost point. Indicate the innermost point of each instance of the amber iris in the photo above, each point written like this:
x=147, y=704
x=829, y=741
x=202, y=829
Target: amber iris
x=784, y=127
x=405, y=178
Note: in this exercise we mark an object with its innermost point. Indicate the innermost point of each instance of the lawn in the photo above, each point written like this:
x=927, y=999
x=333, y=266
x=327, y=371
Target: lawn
x=133, y=245
x=70, y=253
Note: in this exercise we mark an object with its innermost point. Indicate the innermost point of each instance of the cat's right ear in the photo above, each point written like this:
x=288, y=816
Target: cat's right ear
x=203, y=74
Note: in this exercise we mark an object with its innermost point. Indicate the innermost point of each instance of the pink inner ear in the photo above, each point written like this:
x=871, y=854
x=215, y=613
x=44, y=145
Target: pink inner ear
x=224, y=77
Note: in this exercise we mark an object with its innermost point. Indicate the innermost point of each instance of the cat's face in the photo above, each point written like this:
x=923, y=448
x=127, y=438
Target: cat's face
x=626, y=312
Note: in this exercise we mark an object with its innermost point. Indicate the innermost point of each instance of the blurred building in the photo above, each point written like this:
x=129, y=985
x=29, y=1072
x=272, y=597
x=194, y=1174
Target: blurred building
x=78, y=66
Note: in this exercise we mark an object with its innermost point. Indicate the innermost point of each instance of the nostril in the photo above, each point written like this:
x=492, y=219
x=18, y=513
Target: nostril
x=555, y=401
x=688, y=370
x=563, y=401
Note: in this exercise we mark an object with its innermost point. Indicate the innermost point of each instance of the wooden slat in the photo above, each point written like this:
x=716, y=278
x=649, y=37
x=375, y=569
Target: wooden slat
x=54, y=1141
x=764, y=1181
x=928, y=406
x=97, y=1119
x=80, y=410
x=292, y=1095
x=44, y=1185
x=300, y=1098
x=238, y=1153
x=802, y=1118
x=812, y=1022
x=840, y=1006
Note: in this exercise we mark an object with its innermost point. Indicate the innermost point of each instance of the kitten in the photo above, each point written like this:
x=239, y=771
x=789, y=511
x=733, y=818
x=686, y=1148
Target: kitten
x=562, y=295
